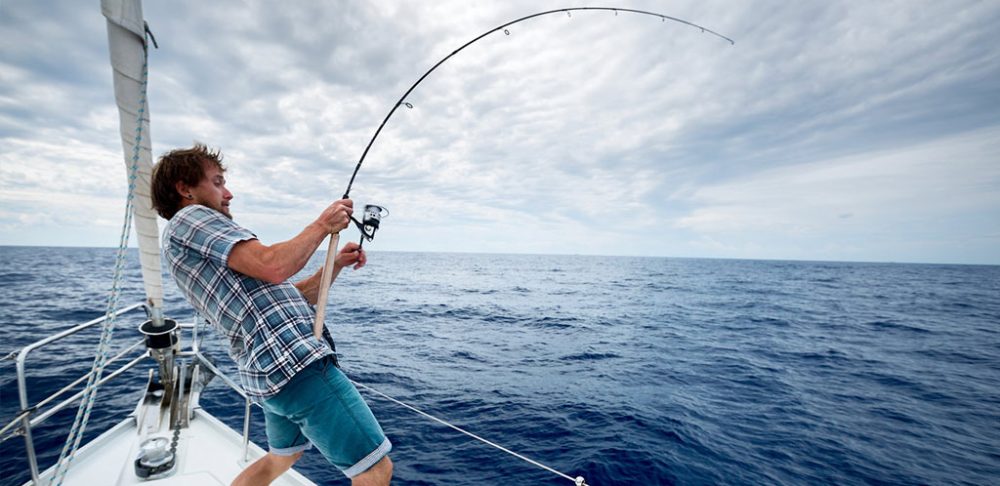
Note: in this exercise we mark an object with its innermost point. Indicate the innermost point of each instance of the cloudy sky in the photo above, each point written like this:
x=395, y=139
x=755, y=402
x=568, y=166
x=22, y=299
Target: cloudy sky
x=862, y=131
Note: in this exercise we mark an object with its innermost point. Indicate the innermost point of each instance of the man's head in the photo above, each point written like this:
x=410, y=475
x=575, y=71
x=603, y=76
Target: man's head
x=189, y=176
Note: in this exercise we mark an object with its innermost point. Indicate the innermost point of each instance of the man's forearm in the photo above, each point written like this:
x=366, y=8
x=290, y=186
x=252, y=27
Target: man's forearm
x=280, y=261
x=310, y=286
x=292, y=256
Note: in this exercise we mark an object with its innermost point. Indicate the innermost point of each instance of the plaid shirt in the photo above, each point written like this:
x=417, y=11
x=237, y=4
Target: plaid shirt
x=269, y=326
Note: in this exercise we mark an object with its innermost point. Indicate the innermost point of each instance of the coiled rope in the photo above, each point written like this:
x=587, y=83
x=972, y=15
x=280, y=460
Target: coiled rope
x=103, y=348
x=578, y=481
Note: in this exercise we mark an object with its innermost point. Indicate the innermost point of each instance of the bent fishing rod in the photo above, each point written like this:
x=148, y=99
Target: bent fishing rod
x=373, y=213
x=567, y=11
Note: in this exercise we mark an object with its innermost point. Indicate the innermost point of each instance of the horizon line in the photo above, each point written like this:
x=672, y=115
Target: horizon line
x=796, y=260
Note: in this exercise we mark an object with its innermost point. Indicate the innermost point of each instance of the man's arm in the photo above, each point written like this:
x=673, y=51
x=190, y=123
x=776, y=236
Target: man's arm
x=280, y=261
x=309, y=287
x=350, y=254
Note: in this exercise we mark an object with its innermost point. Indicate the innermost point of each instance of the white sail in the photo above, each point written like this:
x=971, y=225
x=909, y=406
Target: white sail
x=126, y=37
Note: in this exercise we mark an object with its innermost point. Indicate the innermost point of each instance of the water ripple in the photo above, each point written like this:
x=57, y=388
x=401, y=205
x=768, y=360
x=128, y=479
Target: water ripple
x=662, y=371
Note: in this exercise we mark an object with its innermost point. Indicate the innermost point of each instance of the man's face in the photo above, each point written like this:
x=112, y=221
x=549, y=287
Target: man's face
x=212, y=192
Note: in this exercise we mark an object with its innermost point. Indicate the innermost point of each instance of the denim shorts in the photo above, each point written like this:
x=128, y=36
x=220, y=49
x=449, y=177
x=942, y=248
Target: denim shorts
x=322, y=407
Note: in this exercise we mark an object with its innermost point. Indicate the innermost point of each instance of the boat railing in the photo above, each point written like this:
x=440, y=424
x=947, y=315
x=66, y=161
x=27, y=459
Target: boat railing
x=32, y=415
x=204, y=361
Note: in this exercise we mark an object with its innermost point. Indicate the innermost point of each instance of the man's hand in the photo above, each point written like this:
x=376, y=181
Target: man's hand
x=350, y=254
x=337, y=216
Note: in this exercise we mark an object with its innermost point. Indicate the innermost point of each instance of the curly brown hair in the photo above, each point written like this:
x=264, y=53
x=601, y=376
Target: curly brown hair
x=180, y=165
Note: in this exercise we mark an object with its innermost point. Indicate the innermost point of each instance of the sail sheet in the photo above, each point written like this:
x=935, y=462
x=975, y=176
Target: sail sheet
x=126, y=38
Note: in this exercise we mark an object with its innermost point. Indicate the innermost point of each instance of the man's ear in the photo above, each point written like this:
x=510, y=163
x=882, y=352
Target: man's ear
x=182, y=189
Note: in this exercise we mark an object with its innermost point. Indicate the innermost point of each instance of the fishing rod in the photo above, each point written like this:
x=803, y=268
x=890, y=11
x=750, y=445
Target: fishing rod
x=567, y=11
x=373, y=213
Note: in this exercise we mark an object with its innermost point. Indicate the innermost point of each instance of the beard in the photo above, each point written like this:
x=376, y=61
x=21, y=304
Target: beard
x=223, y=210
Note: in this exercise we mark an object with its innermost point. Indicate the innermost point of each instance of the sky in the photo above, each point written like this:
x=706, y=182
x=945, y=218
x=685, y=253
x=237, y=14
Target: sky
x=843, y=130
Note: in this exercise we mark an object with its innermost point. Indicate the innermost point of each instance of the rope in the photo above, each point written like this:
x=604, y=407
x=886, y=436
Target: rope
x=90, y=391
x=578, y=481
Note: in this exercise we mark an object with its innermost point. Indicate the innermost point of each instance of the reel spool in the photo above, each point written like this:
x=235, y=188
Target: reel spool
x=370, y=220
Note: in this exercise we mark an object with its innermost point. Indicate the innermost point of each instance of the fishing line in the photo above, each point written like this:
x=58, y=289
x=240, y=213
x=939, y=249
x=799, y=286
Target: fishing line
x=373, y=214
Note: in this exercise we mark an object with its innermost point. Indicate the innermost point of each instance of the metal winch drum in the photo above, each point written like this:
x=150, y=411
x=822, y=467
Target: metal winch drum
x=163, y=344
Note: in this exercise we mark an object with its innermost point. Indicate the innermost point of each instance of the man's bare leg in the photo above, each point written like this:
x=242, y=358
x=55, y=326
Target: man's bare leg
x=266, y=469
x=378, y=475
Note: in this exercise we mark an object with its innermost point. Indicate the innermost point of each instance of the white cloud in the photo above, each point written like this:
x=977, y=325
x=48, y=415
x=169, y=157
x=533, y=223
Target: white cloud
x=910, y=194
x=616, y=134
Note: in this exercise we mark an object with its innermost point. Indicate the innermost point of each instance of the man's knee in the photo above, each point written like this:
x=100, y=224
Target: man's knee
x=278, y=464
x=383, y=469
x=377, y=475
x=282, y=462
x=385, y=465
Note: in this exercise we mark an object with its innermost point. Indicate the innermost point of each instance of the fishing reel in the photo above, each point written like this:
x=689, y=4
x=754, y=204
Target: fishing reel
x=370, y=219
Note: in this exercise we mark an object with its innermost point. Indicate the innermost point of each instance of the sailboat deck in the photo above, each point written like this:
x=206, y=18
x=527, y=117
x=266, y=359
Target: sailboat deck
x=209, y=453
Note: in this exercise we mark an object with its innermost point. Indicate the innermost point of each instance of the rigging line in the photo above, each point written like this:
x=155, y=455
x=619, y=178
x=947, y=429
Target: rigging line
x=402, y=99
x=579, y=481
x=89, y=396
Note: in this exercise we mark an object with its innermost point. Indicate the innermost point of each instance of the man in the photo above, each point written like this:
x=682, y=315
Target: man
x=241, y=286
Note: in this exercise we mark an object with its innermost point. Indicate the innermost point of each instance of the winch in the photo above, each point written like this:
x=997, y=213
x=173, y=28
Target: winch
x=163, y=344
x=156, y=458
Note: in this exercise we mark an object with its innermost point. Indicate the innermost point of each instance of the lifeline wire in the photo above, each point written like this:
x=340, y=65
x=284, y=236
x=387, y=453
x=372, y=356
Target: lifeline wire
x=579, y=481
x=567, y=11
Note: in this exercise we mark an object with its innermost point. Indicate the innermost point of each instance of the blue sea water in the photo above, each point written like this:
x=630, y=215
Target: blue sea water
x=622, y=370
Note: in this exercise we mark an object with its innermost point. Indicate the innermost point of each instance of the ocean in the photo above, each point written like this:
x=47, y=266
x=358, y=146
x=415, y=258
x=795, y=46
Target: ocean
x=622, y=370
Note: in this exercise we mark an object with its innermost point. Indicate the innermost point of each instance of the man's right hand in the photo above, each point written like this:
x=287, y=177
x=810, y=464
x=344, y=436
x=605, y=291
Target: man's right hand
x=337, y=216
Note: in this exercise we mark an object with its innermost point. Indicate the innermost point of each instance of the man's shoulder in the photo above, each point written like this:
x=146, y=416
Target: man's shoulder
x=204, y=229
x=198, y=216
x=195, y=212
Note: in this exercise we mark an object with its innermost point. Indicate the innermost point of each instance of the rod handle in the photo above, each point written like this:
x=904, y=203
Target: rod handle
x=324, y=285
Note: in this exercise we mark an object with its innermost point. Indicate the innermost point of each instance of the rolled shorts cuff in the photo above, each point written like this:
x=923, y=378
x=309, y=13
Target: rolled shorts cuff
x=289, y=451
x=370, y=460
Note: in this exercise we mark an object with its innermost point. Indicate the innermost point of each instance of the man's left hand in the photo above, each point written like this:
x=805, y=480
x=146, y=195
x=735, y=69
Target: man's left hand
x=351, y=254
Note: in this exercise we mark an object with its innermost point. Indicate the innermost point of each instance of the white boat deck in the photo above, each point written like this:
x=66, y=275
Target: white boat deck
x=209, y=453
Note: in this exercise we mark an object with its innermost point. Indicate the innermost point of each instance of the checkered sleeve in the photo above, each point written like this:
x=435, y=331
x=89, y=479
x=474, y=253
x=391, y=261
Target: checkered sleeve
x=209, y=233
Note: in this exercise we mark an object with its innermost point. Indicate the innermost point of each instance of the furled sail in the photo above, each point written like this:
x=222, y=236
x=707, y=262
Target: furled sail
x=126, y=38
